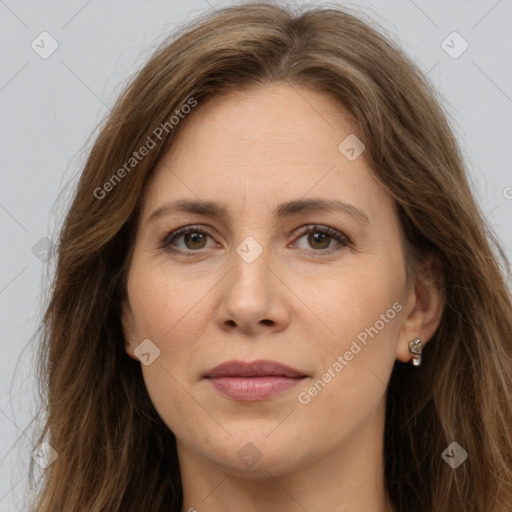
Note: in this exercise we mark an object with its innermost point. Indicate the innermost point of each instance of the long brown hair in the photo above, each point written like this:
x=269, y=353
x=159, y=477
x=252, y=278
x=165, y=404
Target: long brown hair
x=114, y=451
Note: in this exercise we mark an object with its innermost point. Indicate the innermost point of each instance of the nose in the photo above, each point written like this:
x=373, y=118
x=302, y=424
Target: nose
x=253, y=298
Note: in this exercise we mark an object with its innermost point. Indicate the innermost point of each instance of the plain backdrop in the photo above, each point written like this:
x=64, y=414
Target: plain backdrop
x=51, y=104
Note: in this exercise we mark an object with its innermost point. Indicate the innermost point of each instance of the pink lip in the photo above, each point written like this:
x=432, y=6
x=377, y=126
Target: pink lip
x=253, y=381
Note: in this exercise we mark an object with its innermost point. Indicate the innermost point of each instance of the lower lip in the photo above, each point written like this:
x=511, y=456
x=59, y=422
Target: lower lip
x=252, y=389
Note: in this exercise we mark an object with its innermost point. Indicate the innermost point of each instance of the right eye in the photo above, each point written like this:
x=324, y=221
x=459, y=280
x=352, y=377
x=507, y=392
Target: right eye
x=193, y=238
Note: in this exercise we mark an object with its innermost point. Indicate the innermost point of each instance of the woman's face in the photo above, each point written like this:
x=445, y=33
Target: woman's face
x=248, y=282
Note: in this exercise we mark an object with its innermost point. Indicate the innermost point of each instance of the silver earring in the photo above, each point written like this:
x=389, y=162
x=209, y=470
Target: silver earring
x=415, y=347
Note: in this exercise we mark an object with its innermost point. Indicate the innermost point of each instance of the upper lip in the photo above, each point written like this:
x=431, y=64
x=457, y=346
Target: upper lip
x=257, y=368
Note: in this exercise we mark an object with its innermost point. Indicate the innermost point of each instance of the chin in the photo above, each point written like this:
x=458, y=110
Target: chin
x=258, y=454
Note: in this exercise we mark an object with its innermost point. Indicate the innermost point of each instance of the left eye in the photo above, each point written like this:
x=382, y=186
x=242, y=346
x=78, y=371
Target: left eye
x=320, y=238
x=194, y=239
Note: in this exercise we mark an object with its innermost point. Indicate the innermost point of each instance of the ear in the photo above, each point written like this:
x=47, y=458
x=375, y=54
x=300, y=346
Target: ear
x=128, y=325
x=424, y=307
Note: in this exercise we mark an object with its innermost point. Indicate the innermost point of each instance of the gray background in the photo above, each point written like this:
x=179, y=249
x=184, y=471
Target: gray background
x=50, y=107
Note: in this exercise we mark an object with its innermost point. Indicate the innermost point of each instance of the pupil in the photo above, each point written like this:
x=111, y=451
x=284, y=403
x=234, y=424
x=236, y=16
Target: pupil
x=195, y=237
x=319, y=238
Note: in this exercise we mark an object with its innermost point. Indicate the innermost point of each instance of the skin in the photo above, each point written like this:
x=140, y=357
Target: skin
x=251, y=151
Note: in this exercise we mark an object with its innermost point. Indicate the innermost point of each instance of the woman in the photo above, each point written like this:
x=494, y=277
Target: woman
x=275, y=289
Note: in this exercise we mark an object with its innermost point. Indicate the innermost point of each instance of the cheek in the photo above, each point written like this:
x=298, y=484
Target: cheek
x=362, y=310
x=167, y=303
x=356, y=361
x=175, y=404
x=357, y=297
x=172, y=317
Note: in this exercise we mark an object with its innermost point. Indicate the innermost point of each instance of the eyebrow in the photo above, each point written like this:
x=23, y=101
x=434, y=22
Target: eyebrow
x=217, y=210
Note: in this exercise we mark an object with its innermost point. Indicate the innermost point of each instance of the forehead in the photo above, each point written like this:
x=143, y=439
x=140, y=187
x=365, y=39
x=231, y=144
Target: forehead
x=266, y=122
x=265, y=145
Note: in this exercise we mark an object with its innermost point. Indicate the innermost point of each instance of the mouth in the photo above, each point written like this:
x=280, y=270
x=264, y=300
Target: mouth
x=253, y=381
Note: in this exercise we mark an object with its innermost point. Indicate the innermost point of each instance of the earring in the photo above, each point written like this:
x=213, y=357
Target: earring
x=415, y=347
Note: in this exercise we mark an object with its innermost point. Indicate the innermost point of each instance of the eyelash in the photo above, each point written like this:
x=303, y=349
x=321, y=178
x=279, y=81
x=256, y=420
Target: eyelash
x=335, y=234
